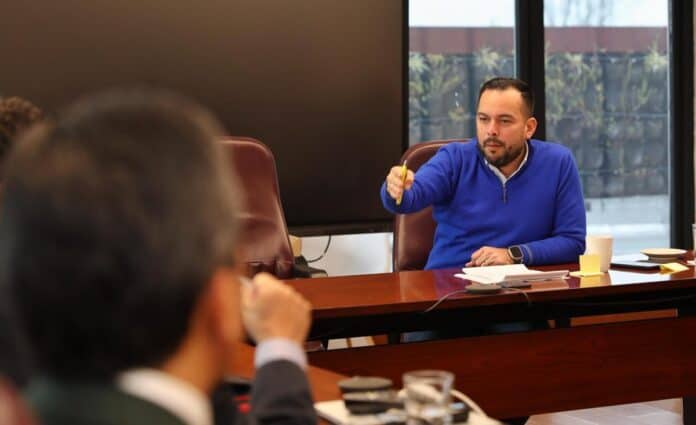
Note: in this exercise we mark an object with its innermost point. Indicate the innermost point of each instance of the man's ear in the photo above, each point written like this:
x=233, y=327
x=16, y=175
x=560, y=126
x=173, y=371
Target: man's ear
x=225, y=305
x=530, y=127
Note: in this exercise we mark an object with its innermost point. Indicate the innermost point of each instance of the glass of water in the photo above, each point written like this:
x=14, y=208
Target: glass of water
x=428, y=397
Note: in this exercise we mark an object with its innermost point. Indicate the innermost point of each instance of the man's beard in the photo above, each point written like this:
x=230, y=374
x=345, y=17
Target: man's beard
x=508, y=155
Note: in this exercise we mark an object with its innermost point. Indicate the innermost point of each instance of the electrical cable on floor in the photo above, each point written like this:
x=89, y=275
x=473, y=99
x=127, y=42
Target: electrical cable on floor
x=314, y=260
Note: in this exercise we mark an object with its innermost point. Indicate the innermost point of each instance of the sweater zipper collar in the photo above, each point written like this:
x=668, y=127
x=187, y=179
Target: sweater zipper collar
x=501, y=176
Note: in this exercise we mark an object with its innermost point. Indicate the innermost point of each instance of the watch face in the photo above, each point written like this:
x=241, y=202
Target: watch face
x=516, y=252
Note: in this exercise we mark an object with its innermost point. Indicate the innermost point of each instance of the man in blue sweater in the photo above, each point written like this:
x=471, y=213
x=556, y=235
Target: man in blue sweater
x=501, y=198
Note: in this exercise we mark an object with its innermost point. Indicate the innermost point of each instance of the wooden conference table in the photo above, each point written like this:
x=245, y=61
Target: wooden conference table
x=514, y=374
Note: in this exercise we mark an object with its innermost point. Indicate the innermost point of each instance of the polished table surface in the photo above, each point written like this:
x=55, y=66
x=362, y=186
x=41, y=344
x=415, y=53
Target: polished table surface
x=414, y=290
x=393, y=302
x=524, y=373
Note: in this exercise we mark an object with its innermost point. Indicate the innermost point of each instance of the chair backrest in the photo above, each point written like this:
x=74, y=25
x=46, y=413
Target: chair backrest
x=413, y=233
x=264, y=234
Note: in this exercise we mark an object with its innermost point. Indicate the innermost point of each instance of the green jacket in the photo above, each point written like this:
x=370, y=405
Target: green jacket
x=280, y=396
x=93, y=404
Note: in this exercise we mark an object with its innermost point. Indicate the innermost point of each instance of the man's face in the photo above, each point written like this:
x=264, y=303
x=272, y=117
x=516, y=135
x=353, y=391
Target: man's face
x=503, y=125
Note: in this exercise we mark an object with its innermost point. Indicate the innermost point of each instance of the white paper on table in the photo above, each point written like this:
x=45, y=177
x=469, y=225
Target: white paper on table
x=507, y=273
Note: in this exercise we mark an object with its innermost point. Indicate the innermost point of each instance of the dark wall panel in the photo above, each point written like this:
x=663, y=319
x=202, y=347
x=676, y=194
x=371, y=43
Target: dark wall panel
x=319, y=81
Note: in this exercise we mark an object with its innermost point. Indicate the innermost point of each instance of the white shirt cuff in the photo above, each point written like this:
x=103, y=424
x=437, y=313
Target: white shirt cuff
x=279, y=349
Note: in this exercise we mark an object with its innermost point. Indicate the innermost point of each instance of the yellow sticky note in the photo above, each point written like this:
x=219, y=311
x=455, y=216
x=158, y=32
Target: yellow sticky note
x=672, y=268
x=588, y=282
x=589, y=264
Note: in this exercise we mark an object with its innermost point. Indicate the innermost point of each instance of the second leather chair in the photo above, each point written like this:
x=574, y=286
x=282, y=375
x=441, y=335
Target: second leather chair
x=264, y=234
x=413, y=233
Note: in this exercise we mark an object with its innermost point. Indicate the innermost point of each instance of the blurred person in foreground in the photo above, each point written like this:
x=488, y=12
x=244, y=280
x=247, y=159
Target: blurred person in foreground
x=16, y=116
x=118, y=228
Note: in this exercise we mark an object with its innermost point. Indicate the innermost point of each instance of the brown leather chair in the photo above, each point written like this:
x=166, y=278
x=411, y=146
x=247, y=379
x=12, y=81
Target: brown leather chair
x=264, y=235
x=413, y=233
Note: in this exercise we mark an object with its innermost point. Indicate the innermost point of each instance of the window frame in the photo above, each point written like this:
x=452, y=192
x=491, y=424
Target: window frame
x=681, y=122
x=529, y=54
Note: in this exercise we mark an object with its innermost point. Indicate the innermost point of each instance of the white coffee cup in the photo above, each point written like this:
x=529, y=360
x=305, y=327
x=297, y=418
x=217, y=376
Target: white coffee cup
x=602, y=246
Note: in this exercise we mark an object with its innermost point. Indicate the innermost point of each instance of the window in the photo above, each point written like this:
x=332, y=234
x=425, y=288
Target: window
x=607, y=91
x=454, y=47
x=607, y=75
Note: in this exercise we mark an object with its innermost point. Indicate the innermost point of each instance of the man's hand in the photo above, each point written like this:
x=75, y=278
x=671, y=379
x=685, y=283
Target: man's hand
x=489, y=256
x=395, y=181
x=272, y=309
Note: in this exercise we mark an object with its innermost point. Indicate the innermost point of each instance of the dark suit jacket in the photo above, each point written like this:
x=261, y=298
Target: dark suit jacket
x=280, y=395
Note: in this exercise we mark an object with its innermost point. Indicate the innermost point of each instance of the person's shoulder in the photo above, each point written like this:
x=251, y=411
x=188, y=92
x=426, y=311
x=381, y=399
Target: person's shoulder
x=52, y=400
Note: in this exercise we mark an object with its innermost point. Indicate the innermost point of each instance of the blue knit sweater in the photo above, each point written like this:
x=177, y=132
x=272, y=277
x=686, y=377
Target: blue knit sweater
x=540, y=208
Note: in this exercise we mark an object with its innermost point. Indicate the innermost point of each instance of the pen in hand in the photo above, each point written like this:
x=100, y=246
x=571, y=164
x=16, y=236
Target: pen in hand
x=404, y=173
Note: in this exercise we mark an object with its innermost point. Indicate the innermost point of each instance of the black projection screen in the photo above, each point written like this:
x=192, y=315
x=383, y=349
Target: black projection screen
x=322, y=82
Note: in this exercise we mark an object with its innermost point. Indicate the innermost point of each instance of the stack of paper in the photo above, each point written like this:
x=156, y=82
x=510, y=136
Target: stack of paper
x=507, y=273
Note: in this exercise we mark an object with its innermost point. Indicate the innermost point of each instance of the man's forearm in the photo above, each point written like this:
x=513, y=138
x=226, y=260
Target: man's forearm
x=554, y=250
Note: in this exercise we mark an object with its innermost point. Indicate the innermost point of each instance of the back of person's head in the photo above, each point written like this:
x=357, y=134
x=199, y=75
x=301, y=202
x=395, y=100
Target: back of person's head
x=504, y=83
x=113, y=220
x=16, y=116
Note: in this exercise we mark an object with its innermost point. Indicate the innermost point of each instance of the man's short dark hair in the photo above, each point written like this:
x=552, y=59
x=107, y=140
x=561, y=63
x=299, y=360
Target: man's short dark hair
x=504, y=83
x=113, y=220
